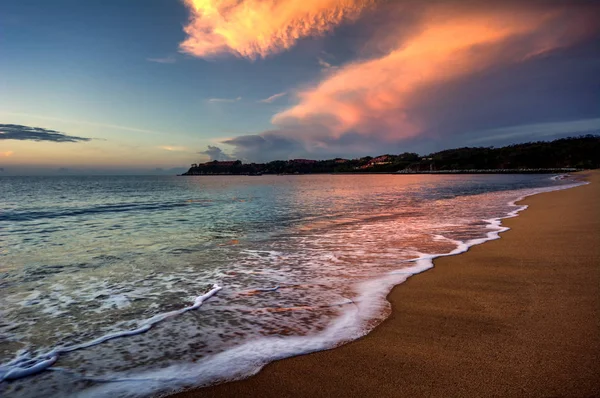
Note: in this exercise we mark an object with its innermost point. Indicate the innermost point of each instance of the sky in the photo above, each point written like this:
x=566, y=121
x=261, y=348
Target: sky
x=150, y=86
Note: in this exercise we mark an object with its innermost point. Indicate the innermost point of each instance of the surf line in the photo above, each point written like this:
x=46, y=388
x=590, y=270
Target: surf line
x=22, y=366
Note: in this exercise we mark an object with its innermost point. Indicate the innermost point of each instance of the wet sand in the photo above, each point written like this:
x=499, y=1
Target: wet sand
x=518, y=316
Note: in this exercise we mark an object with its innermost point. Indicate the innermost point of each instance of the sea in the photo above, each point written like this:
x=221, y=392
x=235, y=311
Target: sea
x=141, y=286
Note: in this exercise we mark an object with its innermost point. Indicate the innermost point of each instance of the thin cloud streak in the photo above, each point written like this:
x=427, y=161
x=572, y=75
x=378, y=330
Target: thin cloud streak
x=224, y=100
x=324, y=64
x=173, y=148
x=538, y=130
x=258, y=28
x=273, y=98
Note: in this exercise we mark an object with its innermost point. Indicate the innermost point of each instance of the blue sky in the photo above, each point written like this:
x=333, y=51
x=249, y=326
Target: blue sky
x=115, y=72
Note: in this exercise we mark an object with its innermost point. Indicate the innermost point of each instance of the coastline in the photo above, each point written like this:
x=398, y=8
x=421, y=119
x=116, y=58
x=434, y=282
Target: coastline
x=402, y=172
x=519, y=316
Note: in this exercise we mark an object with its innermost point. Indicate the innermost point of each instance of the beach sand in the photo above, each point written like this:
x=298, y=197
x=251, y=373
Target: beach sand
x=518, y=316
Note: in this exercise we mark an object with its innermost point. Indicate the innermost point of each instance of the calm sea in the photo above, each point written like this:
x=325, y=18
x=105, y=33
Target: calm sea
x=118, y=286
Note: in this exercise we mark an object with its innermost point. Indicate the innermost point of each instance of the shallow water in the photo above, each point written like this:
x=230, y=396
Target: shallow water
x=303, y=262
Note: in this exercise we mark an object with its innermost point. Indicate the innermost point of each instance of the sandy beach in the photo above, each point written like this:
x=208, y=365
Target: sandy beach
x=518, y=316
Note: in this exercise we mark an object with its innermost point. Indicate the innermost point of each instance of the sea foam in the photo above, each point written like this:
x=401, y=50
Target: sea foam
x=24, y=366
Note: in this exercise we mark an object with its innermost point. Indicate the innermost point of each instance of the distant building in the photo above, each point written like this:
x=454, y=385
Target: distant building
x=380, y=160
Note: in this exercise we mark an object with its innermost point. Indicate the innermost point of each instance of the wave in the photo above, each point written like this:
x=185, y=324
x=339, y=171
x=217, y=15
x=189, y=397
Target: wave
x=559, y=177
x=23, y=366
x=249, y=358
x=70, y=212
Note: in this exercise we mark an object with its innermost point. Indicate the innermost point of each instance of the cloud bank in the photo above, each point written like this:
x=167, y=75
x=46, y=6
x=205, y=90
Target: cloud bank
x=264, y=147
x=375, y=97
x=26, y=133
x=425, y=72
x=258, y=28
x=449, y=72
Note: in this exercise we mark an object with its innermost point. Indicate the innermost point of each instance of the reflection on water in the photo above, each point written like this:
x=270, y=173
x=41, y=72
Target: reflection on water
x=83, y=257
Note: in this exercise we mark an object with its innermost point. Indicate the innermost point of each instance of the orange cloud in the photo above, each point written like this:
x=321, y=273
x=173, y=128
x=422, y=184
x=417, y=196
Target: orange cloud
x=7, y=153
x=374, y=96
x=257, y=28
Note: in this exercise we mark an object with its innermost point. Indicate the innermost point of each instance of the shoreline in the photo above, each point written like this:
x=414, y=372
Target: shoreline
x=393, y=360
x=402, y=172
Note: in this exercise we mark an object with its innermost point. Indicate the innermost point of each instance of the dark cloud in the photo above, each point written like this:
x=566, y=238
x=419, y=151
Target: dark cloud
x=265, y=147
x=26, y=133
x=562, y=86
x=215, y=153
x=277, y=145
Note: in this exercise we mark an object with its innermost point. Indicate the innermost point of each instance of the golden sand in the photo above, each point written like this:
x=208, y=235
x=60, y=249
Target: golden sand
x=518, y=317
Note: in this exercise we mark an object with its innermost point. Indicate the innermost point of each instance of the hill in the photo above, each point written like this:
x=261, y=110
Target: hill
x=581, y=152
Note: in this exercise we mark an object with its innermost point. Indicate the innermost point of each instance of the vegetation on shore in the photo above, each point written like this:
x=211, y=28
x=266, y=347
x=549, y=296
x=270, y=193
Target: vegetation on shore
x=581, y=152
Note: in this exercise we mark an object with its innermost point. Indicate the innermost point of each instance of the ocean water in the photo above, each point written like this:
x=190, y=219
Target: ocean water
x=135, y=286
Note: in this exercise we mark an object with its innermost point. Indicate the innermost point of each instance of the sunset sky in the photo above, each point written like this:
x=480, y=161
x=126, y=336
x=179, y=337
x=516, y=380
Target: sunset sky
x=150, y=86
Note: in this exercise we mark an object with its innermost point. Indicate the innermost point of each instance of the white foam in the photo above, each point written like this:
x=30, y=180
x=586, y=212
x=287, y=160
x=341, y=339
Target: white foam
x=559, y=177
x=24, y=366
x=248, y=358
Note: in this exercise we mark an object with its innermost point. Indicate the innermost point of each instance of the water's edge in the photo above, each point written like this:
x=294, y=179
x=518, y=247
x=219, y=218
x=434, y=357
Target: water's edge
x=249, y=358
